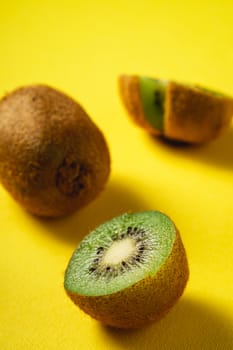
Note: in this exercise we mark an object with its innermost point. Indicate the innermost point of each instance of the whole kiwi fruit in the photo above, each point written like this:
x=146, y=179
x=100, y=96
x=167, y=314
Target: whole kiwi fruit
x=179, y=112
x=53, y=158
x=129, y=271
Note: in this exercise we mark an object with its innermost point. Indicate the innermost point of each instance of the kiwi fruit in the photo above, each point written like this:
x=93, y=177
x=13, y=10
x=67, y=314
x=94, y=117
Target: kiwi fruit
x=129, y=271
x=180, y=112
x=53, y=158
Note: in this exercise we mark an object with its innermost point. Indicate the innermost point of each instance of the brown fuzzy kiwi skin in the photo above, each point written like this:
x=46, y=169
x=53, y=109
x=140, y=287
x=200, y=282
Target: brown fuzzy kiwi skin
x=147, y=300
x=130, y=94
x=195, y=116
x=53, y=158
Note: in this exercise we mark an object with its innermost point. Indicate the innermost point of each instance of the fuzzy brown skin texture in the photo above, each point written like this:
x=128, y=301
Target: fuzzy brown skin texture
x=53, y=158
x=130, y=95
x=146, y=301
x=195, y=116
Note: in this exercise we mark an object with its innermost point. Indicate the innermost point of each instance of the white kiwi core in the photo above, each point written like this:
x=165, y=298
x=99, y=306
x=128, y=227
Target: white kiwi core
x=119, y=251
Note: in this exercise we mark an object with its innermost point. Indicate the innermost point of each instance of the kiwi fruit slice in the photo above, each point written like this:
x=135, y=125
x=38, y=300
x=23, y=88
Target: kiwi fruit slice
x=53, y=158
x=129, y=271
x=182, y=112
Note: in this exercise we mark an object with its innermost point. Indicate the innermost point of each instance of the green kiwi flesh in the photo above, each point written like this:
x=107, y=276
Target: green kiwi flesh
x=129, y=271
x=53, y=158
x=152, y=92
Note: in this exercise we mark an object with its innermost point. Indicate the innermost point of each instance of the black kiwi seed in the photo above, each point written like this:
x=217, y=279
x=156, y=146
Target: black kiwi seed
x=92, y=269
x=138, y=258
x=158, y=98
x=99, y=250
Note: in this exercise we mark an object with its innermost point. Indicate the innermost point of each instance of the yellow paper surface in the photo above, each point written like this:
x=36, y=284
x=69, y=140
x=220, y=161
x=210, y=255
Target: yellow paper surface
x=81, y=47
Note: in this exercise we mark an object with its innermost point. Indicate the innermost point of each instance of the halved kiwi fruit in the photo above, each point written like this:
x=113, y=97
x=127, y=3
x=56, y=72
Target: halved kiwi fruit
x=129, y=271
x=187, y=113
x=53, y=158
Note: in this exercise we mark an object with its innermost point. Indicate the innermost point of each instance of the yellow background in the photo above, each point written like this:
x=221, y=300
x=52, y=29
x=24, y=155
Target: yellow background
x=81, y=47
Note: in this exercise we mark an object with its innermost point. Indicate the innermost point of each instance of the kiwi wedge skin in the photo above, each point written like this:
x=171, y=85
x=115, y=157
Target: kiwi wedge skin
x=147, y=300
x=192, y=114
x=53, y=158
x=195, y=115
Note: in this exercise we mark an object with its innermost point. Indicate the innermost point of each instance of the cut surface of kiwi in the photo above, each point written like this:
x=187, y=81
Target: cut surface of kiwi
x=152, y=93
x=123, y=264
x=53, y=158
x=182, y=112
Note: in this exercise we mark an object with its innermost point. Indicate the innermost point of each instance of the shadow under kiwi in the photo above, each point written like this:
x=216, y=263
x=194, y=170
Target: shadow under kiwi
x=217, y=153
x=114, y=200
x=190, y=325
